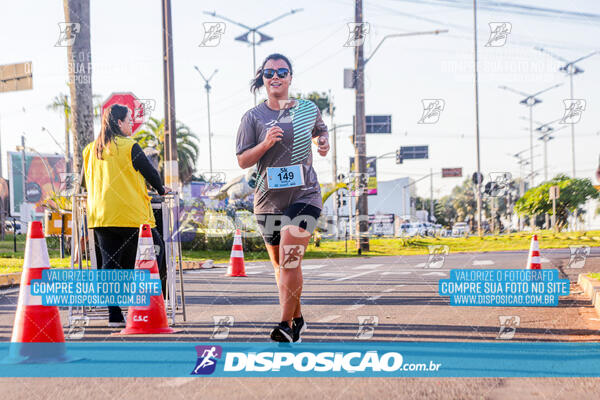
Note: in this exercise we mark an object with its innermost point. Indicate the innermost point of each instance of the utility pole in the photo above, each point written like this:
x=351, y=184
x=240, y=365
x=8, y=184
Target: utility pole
x=79, y=57
x=24, y=177
x=431, y=196
x=208, y=87
x=360, y=145
x=171, y=165
x=336, y=197
x=67, y=146
x=477, y=119
x=570, y=69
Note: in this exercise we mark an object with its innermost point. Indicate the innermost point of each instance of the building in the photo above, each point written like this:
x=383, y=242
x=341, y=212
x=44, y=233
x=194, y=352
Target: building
x=393, y=197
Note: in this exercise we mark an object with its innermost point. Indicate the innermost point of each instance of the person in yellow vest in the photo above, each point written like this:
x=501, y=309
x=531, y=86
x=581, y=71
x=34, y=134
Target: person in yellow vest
x=115, y=173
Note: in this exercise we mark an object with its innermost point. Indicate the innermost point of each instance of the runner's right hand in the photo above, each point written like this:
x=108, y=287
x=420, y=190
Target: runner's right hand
x=274, y=135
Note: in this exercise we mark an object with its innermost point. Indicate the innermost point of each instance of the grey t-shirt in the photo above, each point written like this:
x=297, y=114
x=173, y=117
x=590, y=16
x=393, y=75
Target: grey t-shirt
x=300, y=123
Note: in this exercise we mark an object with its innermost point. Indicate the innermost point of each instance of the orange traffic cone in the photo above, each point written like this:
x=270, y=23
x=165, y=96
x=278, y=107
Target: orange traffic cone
x=236, y=261
x=37, y=335
x=153, y=318
x=533, y=260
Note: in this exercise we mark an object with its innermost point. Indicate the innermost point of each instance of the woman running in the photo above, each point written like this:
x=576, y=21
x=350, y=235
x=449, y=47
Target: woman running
x=276, y=136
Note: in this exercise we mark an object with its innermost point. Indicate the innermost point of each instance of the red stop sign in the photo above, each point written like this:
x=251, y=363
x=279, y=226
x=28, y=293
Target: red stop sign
x=130, y=101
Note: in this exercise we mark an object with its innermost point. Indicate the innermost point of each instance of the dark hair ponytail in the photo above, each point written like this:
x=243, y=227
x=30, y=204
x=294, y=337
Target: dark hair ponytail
x=258, y=82
x=110, y=127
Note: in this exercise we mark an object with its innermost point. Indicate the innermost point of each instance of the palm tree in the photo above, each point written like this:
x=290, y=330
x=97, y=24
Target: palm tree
x=62, y=104
x=153, y=136
x=80, y=78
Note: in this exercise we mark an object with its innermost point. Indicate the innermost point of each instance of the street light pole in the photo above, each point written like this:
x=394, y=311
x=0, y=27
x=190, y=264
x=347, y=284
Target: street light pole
x=530, y=101
x=253, y=31
x=477, y=142
x=208, y=87
x=171, y=169
x=23, y=184
x=570, y=69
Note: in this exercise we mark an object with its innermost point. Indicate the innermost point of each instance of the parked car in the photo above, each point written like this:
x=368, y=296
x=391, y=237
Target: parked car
x=429, y=228
x=460, y=229
x=439, y=230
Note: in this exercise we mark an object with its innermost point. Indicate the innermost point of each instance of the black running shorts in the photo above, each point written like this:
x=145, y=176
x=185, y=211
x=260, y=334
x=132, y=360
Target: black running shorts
x=302, y=215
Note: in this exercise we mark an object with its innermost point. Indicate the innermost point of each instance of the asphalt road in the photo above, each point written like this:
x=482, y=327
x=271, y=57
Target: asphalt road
x=375, y=298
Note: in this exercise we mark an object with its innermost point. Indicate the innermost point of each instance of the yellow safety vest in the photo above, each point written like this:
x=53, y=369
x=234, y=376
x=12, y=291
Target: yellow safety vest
x=117, y=195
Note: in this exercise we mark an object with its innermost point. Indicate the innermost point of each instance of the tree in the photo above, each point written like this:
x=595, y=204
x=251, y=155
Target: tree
x=321, y=100
x=79, y=60
x=573, y=193
x=62, y=104
x=153, y=136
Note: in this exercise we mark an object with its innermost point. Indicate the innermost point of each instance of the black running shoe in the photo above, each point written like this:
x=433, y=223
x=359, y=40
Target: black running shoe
x=298, y=327
x=282, y=333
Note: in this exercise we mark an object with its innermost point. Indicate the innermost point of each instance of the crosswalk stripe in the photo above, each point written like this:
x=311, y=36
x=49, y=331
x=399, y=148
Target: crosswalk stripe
x=368, y=266
x=354, y=307
x=305, y=267
x=353, y=276
x=328, y=318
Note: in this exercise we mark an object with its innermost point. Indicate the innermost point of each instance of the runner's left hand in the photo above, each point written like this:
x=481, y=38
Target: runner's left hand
x=323, y=145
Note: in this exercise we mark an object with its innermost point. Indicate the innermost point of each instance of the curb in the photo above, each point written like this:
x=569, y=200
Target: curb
x=14, y=279
x=591, y=288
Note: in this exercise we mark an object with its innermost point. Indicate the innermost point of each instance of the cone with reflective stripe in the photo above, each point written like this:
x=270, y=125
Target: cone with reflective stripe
x=37, y=335
x=236, y=261
x=533, y=261
x=151, y=319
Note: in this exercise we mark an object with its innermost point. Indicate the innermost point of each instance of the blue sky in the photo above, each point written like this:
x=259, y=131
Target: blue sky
x=127, y=49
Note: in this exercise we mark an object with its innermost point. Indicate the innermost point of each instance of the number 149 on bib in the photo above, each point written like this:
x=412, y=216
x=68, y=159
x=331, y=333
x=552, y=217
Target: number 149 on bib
x=285, y=177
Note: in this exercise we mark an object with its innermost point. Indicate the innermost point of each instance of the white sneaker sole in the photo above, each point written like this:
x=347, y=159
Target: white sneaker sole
x=301, y=332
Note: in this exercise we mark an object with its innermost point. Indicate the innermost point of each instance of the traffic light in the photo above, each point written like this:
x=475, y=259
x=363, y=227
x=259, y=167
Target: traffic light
x=398, y=156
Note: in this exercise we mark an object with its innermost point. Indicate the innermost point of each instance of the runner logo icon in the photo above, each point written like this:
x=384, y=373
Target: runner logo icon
x=207, y=359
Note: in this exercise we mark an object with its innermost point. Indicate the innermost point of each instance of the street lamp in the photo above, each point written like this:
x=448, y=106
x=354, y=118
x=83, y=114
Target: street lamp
x=208, y=87
x=530, y=101
x=253, y=31
x=546, y=130
x=570, y=69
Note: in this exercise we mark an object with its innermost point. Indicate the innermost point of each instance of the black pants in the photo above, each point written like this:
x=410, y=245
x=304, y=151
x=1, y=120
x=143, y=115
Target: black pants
x=118, y=247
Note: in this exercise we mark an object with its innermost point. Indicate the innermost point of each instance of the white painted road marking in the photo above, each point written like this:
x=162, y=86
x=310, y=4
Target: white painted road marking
x=396, y=273
x=483, y=262
x=313, y=266
x=434, y=273
x=353, y=276
x=368, y=266
x=328, y=318
x=355, y=307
